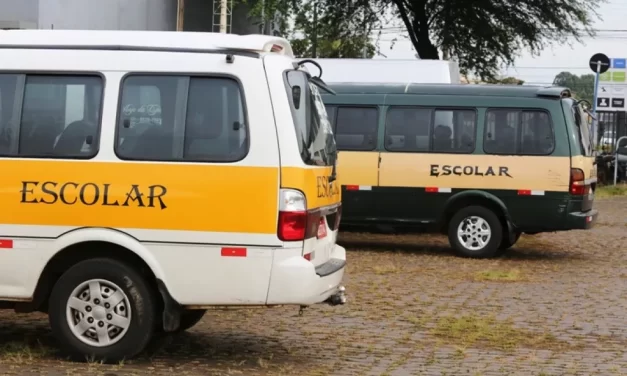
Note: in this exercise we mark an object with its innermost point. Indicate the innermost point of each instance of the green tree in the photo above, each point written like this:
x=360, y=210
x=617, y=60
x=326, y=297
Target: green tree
x=336, y=33
x=482, y=35
x=581, y=86
x=506, y=81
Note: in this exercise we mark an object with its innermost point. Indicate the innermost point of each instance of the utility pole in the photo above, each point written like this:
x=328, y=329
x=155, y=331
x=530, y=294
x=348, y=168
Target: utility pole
x=180, y=14
x=223, y=5
x=314, y=38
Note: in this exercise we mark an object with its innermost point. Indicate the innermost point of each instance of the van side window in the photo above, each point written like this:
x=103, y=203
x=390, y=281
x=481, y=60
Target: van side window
x=181, y=118
x=454, y=131
x=50, y=116
x=518, y=132
x=408, y=129
x=356, y=128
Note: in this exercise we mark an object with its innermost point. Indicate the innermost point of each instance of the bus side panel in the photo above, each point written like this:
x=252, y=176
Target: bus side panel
x=417, y=186
x=359, y=173
x=185, y=214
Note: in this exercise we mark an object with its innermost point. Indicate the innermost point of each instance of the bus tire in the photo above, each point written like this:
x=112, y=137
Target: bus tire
x=475, y=231
x=102, y=310
x=189, y=318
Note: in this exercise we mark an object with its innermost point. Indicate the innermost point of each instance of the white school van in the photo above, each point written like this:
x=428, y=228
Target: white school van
x=149, y=176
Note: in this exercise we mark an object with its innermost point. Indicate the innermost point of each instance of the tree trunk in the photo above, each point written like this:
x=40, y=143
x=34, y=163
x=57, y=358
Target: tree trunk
x=426, y=50
x=417, y=25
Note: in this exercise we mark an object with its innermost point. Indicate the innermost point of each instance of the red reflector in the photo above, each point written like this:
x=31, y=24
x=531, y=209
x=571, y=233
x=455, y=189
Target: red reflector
x=352, y=187
x=233, y=252
x=589, y=219
x=431, y=190
x=6, y=243
x=524, y=192
x=307, y=257
x=322, y=229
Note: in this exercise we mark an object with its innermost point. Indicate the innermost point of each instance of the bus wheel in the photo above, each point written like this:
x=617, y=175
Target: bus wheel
x=189, y=318
x=475, y=231
x=102, y=309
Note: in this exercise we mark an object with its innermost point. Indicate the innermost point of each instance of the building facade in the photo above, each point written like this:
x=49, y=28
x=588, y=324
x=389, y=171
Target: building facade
x=118, y=15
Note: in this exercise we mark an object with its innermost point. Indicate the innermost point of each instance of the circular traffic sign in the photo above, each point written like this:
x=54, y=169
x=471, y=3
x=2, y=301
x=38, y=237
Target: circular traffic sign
x=601, y=59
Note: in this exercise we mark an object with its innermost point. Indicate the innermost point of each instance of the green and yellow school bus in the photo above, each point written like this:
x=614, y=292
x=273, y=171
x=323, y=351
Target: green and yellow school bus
x=481, y=163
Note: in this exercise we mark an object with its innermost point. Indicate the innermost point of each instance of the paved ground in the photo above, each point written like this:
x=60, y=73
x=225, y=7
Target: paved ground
x=555, y=305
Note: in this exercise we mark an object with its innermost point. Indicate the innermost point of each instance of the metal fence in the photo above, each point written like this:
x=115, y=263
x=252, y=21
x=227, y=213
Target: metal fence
x=612, y=126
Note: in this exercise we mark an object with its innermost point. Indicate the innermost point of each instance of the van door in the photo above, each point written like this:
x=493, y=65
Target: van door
x=355, y=129
x=425, y=152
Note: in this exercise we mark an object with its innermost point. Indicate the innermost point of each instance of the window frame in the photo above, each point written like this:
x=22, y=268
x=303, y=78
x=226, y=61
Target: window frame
x=368, y=106
x=520, y=111
x=22, y=78
x=432, y=127
x=190, y=76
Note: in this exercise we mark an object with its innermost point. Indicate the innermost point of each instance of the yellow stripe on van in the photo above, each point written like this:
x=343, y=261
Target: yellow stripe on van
x=473, y=171
x=586, y=164
x=314, y=183
x=358, y=167
x=171, y=196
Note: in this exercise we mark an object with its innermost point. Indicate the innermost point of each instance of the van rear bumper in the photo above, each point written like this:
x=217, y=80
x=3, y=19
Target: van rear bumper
x=295, y=280
x=582, y=220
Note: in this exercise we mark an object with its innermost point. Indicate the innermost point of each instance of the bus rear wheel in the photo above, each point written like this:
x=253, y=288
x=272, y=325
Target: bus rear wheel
x=475, y=231
x=102, y=309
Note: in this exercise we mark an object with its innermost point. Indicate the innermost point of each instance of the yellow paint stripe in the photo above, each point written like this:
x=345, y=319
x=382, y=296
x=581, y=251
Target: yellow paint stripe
x=314, y=183
x=212, y=198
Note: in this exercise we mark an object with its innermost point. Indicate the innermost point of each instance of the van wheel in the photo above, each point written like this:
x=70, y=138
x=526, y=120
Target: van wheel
x=103, y=310
x=189, y=318
x=475, y=231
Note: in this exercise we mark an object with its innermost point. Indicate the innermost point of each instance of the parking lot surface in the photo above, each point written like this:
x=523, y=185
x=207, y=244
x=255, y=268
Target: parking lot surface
x=553, y=305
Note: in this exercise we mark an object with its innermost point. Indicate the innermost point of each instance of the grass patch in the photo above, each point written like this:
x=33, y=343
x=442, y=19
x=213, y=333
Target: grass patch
x=472, y=330
x=611, y=191
x=498, y=276
x=385, y=269
x=21, y=353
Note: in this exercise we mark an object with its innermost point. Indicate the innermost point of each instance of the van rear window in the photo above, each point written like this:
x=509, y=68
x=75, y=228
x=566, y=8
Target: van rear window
x=313, y=129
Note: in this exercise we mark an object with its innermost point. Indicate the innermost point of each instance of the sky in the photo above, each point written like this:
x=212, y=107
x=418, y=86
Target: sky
x=611, y=39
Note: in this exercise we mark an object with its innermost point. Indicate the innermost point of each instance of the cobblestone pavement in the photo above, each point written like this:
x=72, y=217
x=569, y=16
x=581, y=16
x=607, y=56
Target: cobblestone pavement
x=554, y=305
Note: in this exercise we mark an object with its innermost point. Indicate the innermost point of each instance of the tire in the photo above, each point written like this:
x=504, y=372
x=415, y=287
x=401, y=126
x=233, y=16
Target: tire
x=189, y=318
x=487, y=220
x=110, y=279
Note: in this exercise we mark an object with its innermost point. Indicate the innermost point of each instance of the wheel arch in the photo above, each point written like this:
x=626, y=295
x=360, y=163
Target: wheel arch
x=87, y=243
x=473, y=197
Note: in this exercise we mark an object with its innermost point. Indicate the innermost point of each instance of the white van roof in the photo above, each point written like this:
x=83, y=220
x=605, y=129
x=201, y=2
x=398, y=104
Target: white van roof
x=143, y=40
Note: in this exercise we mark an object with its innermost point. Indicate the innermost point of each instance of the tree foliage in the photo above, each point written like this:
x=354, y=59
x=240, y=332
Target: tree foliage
x=337, y=31
x=581, y=86
x=506, y=81
x=481, y=35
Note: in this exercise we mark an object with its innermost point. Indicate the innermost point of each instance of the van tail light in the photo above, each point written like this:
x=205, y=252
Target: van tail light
x=578, y=185
x=296, y=223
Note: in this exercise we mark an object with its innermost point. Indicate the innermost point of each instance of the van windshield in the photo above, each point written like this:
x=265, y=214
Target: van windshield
x=316, y=142
x=581, y=119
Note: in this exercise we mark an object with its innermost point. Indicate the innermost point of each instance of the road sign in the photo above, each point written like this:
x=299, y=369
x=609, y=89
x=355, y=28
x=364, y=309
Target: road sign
x=618, y=102
x=619, y=63
x=603, y=102
x=603, y=59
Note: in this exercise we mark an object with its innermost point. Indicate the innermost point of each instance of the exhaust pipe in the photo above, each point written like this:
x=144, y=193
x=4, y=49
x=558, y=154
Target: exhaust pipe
x=339, y=298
